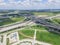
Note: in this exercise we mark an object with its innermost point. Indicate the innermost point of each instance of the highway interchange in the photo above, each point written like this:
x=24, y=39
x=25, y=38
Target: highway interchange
x=39, y=21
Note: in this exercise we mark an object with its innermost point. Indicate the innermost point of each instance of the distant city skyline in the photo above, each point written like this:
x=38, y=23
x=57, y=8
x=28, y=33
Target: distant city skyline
x=29, y=4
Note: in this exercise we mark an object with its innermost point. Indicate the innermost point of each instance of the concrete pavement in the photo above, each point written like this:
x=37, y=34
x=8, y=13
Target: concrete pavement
x=14, y=26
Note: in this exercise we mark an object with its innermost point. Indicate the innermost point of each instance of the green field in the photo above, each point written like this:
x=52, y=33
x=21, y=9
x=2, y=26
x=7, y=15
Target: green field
x=11, y=20
x=56, y=20
x=43, y=36
x=44, y=13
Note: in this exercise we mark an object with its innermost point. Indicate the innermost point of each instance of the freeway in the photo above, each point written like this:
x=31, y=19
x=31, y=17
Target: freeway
x=44, y=22
x=55, y=28
x=37, y=20
x=15, y=26
x=51, y=17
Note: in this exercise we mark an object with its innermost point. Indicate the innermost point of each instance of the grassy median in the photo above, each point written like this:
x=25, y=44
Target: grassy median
x=11, y=20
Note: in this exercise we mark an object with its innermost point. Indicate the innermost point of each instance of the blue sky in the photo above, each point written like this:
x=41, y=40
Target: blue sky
x=29, y=4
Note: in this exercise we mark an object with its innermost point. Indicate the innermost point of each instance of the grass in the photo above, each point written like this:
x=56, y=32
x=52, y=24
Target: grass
x=10, y=20
x=44, y=13
x=47, y=37
x=17, y=19
x=56, y=20
x=43, y=36
x=38, y=27
x=27, y=33
x=30, y=31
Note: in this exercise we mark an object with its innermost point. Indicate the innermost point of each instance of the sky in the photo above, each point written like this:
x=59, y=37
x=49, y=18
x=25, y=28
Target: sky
x=29, y=4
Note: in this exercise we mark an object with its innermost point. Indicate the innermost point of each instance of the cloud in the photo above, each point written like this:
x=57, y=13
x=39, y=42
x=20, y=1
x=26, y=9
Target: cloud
x=1, y=1
x=29, y=4
x=50, y=0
